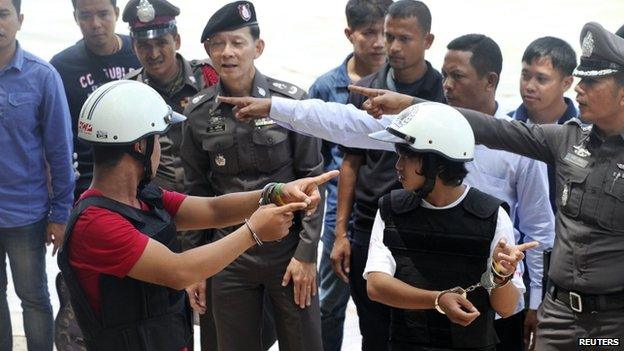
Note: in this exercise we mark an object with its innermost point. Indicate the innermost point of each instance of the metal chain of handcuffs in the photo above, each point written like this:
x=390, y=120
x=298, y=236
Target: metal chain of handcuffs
x=487, y=282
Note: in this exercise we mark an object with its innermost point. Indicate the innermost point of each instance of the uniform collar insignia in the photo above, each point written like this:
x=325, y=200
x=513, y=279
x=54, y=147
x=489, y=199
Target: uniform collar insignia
x=588, y=45
x=197, y=98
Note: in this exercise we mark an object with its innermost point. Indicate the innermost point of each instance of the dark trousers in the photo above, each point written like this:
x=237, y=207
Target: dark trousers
x=559, y=328
x=238, y=302
x=510, y=332
x=374, y=318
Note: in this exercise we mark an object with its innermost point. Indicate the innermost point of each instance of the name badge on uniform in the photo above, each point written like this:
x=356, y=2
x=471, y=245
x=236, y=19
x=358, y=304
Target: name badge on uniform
x=220, y=160
x=263, y=122
x=576, y=160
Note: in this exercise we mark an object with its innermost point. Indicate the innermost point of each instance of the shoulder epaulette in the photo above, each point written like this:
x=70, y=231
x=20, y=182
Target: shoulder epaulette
x=284, y=88
x=199, y=99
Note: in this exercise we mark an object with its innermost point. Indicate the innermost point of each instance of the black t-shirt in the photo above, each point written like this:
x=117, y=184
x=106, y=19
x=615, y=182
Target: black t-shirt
x=82, y=72
x=377, y=176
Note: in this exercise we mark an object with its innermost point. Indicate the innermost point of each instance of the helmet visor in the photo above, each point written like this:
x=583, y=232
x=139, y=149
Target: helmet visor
x=173, y=117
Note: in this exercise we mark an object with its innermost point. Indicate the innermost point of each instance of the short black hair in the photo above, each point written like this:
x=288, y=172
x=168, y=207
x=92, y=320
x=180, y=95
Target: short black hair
x=255, y=31
x=620, y=32
x=452, y=173
x=560, y=53
x=18, y=6
x=412, y=8
x=361, y=13
x=108, y=156
x=486, y=54
x=619, y=78
x=113, y=2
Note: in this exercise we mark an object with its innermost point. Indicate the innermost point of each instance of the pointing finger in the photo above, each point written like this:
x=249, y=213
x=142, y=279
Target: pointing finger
x=527, y=246
x=292, y=207
x=236, y=101
x=368, y=92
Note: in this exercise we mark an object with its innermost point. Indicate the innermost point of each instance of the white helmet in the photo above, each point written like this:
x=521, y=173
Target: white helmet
x=123, y=112
x=432, y=127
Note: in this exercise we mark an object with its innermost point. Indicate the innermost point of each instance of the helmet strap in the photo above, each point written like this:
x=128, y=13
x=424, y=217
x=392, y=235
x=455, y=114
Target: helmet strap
x=429, y=170
x=146, y=159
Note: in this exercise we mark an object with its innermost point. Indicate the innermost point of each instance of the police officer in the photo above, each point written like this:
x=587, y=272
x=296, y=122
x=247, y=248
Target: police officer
x=120, y=258
x=222, y=155
x=585, y=292
x=156, y=40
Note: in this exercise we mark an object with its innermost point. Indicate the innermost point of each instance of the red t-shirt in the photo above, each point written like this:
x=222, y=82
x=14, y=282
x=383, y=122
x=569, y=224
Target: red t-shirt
x=104, y=242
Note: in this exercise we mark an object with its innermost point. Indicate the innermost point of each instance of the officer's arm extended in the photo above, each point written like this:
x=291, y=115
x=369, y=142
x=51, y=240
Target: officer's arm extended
x=532, y=140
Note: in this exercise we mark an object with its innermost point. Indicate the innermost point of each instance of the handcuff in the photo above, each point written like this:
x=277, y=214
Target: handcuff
x=487, y=282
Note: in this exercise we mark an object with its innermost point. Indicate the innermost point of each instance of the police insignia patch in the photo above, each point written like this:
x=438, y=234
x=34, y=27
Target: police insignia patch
x=588, y=45
x=145, y=11
x=244, y=12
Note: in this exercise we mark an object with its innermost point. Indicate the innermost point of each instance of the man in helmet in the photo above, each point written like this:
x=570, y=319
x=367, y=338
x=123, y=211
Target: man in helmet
x=435, y=234
x=120, y=258
x=156, y=42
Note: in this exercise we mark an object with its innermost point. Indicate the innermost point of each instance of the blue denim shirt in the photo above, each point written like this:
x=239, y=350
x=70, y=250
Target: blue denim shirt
x=332, y=86
x=521, y=114
x=36, y=174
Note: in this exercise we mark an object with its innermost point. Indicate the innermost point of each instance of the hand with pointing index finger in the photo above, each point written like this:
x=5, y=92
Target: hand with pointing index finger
x=508, y=255
x=382, y=102
x=306, y=190
x=247, y=108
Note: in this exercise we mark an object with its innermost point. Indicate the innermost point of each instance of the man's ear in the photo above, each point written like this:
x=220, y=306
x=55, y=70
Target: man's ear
x=348, y=32
x=178, y=41
x=259, y=48
x=139, y=146
x=567, y=83
x=492, y=80
x=429, y=40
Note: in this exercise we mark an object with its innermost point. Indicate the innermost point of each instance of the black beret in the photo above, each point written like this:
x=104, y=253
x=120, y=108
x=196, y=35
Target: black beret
x=150, y=18
x=232, y=16
x=602, y=52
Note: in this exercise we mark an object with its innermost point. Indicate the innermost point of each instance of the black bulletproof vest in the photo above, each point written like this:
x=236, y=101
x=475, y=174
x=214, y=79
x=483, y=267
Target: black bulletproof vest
x=135, y=315
x=438, y=250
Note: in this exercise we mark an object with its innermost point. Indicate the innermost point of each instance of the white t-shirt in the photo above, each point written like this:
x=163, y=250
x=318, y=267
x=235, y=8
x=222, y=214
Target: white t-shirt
x=380, y=258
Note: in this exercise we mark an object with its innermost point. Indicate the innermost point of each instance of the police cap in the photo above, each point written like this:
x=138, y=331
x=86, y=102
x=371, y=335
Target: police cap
x=150, y=18
x=232, y=16
x=602, y=52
